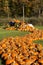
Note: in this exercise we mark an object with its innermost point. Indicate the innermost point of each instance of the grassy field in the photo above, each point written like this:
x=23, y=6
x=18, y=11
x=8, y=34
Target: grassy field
x=38, y=42
x=39, y=27
x=6, y=33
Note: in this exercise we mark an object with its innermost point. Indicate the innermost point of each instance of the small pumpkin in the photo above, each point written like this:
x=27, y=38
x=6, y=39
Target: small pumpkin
x=4, y=45
x=40, y=61
x=4, y=55
x=9, y=61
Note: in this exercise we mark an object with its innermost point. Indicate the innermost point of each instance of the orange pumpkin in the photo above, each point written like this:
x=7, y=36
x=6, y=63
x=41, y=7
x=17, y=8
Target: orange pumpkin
x=40, y=61
x=1, y=52
x=13, y=55
x=4, y=55
x=4, y=45
x=9, y=61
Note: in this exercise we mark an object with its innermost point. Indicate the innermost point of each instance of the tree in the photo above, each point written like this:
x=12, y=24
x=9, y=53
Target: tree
x=37, y=7
x=6, y=7
x=21, y=7
x=23, y=3
x=1, y=7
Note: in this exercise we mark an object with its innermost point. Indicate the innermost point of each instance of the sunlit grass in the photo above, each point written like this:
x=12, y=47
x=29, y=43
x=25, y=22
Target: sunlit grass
x=39, y=42
x=7, y=33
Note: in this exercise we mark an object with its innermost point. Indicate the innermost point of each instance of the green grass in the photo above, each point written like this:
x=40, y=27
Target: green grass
x=2, y=62
x=39, y=42
x=39, y=27
x=7, y=33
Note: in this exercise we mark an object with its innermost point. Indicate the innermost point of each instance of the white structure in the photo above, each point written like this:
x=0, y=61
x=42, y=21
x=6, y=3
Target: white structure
x=30, y=25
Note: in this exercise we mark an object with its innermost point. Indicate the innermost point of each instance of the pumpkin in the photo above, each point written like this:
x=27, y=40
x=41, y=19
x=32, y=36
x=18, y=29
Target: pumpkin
x=13, y=54
x=14, y=63
x=1, y=52
x=29, y=62
x=3, y=45
x=40, y=61
x=4, y=55
x=9, y=61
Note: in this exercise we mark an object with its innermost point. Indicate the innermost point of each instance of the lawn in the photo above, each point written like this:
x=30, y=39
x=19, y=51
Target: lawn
x=38, y=41
x=7, y=33
x=39, y=27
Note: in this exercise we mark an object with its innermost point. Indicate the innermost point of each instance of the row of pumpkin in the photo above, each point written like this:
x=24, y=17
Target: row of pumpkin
x=22, y=50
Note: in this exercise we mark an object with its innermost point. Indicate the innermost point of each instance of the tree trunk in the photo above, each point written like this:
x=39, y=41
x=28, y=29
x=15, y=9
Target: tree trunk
x=39, y=12
x=23, y=13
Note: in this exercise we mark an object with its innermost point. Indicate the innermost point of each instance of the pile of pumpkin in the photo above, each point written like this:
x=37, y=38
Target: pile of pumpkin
x=36, y=35
x=11, y=24
x=11, y=28
x=22, y=50
x=21, y=26
x=26, y=27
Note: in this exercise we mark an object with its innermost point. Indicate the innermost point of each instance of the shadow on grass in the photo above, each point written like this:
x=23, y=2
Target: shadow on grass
x=2, y=61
